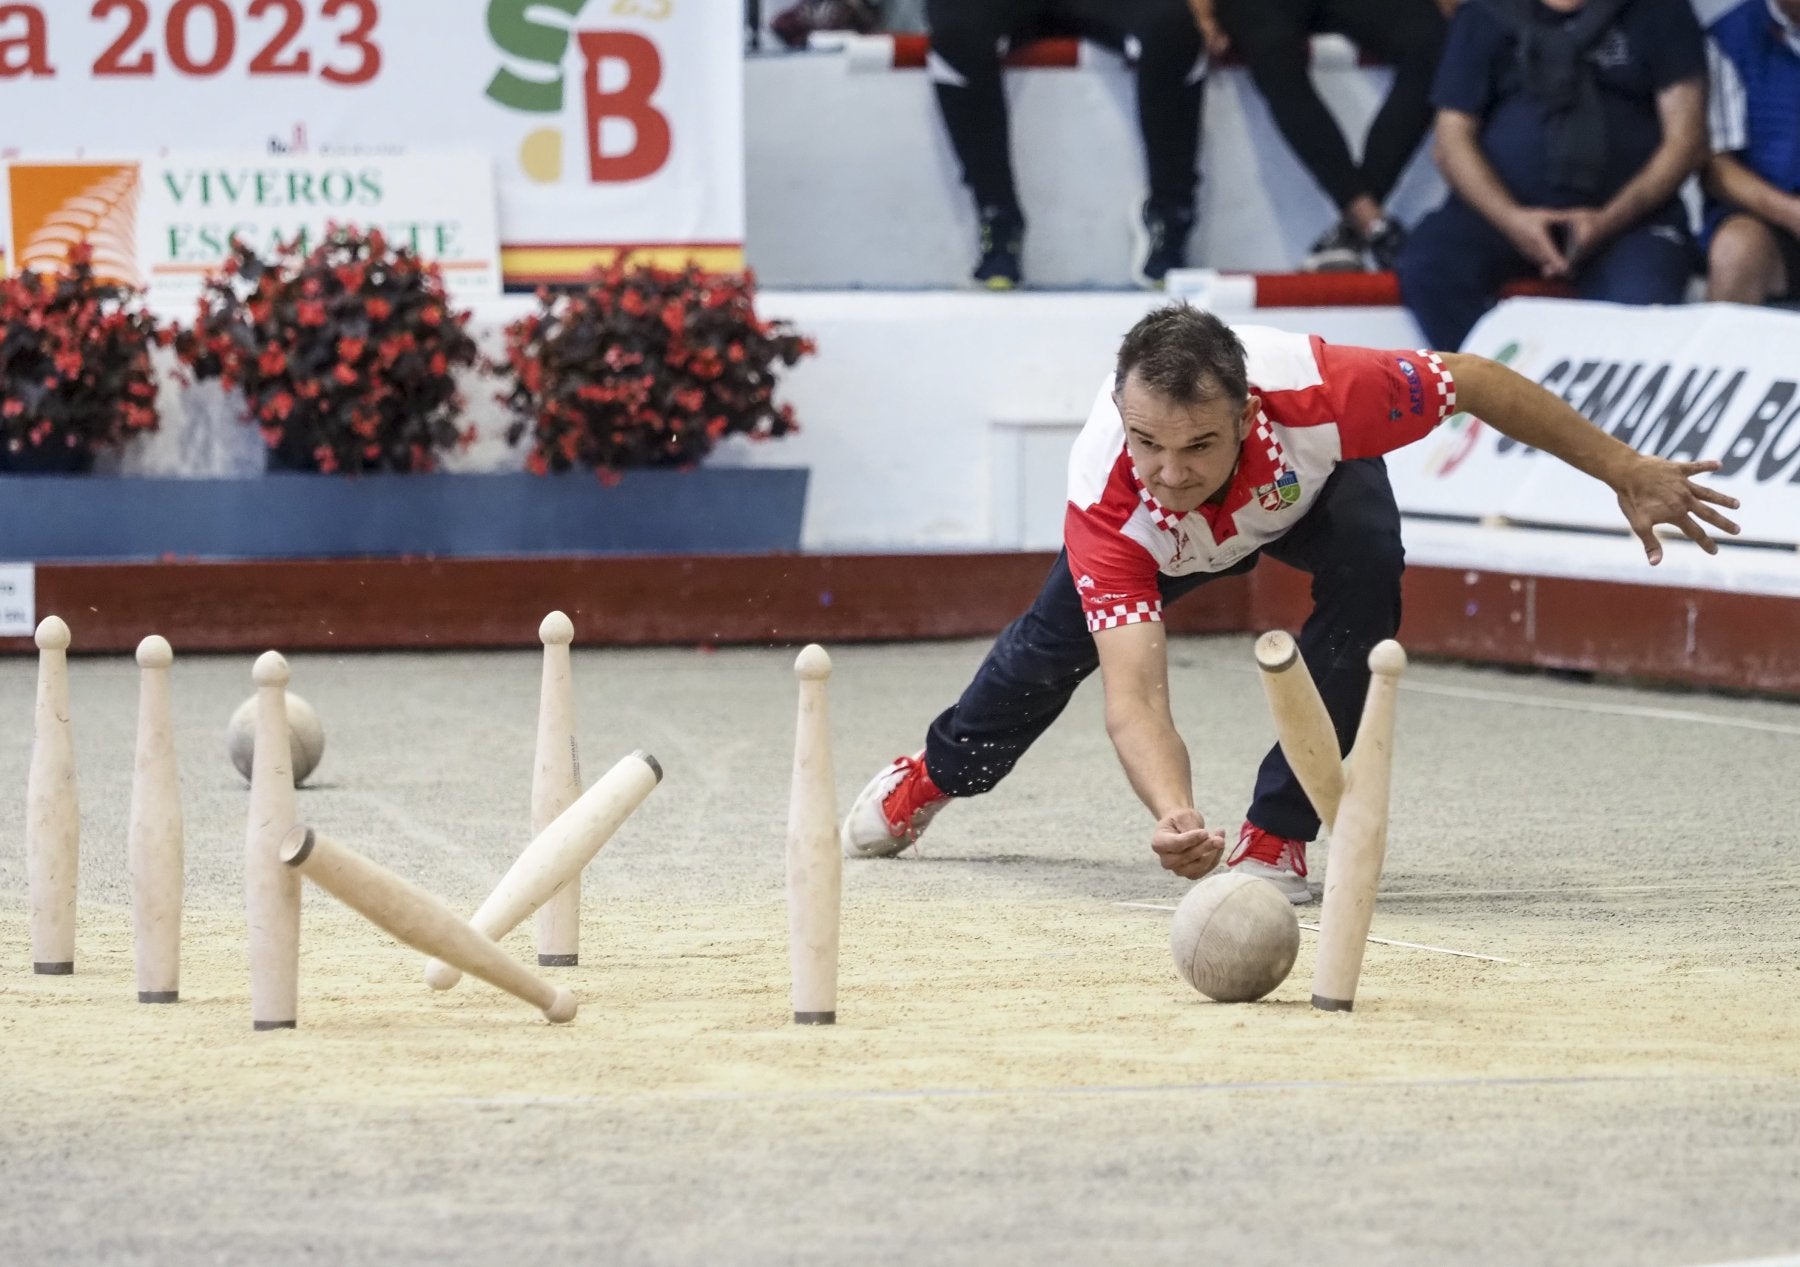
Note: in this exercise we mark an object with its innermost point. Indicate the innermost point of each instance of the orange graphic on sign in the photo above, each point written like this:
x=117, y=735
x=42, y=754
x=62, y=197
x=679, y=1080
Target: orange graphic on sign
x=56, y=206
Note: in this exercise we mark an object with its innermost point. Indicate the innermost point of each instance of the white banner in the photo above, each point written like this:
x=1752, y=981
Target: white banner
x=164, y=224
x=609, y=123
x=1704, y=381
x=18, y=600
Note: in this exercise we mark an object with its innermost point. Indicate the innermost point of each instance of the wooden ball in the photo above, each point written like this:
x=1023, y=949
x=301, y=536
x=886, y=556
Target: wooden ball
x=306, y=737
x=1235, y=937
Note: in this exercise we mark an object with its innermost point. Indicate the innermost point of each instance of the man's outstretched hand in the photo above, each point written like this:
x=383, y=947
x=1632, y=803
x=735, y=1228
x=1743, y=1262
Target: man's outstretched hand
x=1656, y=491
x=1185, y=845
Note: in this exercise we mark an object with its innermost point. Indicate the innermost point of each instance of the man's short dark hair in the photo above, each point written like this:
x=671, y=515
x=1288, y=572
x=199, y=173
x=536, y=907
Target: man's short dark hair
x=1186, y=356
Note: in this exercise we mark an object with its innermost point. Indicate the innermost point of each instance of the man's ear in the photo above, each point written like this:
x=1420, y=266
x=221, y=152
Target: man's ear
x=1252, y=407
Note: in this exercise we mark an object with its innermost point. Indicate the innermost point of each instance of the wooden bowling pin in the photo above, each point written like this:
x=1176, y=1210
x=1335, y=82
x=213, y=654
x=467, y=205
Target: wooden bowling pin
x=271, y=890
x=154, y=837
x=52, y=810
x=556, y=785
x=416, y=918
x=1359, y=841
x=814, y=864
x=1302, y=726
x=558, y=854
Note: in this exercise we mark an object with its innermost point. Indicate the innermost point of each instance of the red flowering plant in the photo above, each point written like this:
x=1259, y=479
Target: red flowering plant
x=345, y=354
x=75, y=372
x=645, y=366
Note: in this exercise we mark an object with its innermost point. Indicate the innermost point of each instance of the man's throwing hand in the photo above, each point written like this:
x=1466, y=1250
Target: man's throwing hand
x=1657, y=491
x=1185, y=845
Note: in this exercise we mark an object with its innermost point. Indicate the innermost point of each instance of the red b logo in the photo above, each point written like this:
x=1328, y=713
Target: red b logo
x=631, y=102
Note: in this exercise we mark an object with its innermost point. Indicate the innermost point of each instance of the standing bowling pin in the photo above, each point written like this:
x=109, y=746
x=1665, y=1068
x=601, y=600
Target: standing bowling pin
x=814, y=865
x=1303, y=727
x=154, y=837
x=271, y=890
x=52, y=810
x=1359, y=842
x=555, y=785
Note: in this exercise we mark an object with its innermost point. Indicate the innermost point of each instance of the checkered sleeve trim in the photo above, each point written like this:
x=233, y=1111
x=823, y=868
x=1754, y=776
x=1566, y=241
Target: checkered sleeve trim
x=1446, y=386
x=1124, y=614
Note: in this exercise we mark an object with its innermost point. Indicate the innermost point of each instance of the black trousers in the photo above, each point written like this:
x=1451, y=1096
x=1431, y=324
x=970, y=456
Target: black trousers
x=967, y=37
x=1273, y=37
x=1350, y=543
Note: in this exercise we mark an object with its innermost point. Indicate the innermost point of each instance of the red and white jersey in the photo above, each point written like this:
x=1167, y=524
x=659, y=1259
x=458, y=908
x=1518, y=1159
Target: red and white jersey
x=1321, y=405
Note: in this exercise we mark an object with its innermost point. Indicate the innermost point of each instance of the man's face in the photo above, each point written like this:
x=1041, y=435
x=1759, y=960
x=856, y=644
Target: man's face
x=1185, y=454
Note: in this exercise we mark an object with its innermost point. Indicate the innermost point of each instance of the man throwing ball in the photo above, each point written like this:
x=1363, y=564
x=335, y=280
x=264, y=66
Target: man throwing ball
x=1209, y=447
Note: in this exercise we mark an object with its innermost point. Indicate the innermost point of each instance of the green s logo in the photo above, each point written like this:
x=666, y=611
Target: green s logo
x=512, y=28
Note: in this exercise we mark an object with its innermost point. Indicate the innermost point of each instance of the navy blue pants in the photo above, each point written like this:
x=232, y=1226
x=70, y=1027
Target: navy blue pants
x=1455, y=262
x=1349, y=542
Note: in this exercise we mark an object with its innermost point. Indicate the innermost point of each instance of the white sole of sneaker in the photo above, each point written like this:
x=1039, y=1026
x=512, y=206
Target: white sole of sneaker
x=1292, y=886
x=879, y=849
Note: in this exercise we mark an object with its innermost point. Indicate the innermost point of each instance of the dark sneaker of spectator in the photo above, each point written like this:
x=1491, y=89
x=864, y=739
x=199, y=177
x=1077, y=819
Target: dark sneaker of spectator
x=1002, y=244
x=1384, y=244
x=1163, y=234
x=1159, y=40
x=1340, y=250
x=793, y=25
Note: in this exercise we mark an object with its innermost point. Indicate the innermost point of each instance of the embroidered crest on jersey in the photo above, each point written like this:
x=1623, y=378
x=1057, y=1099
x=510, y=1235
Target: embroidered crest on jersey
x=1284, y=492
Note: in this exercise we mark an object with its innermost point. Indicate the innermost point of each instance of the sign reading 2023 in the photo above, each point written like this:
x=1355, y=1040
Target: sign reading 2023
x=332, y=40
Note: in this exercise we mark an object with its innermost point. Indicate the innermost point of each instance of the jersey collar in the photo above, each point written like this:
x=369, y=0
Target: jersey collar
x=1261, y=462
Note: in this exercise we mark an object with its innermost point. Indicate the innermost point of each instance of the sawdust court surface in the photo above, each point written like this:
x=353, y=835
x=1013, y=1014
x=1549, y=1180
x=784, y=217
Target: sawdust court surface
x=1019, y=1074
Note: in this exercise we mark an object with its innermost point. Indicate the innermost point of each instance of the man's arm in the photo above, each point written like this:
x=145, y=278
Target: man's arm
x=1651, y=490
x=1729, y=180
x=1134, y=664
x=1682, y=110
x=1457, y=147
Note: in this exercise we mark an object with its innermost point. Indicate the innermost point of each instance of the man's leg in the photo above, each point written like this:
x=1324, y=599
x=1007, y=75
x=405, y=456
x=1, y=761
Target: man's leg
x=1651, y=264
x=1451, y=269
x=966, y=37
x=1350, y=543
x=1409, y=36
x=1163, y=43
x=1023, y=685
x=1743, y=262
x=965, y=67
x=1275, y=38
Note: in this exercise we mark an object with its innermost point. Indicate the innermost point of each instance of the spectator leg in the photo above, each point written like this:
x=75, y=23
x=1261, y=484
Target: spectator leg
x=1409, y=36
x=1274, y=37
x=1743, y=262
x=1451, y=270
x=1650, y=264
x=1163, y=43
x=965, y=69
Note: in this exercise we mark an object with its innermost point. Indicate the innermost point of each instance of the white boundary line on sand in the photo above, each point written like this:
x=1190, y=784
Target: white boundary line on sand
x=1413, y=945
x=1043, y=1092
x=1379, y=941
x=1616, y=710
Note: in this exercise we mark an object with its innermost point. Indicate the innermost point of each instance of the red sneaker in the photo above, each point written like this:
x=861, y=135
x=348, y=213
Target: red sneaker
x=893, y=810
x=1280, y=861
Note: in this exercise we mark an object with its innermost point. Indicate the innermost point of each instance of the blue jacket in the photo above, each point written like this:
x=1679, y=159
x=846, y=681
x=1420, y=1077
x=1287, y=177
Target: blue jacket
x=1769, y=69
